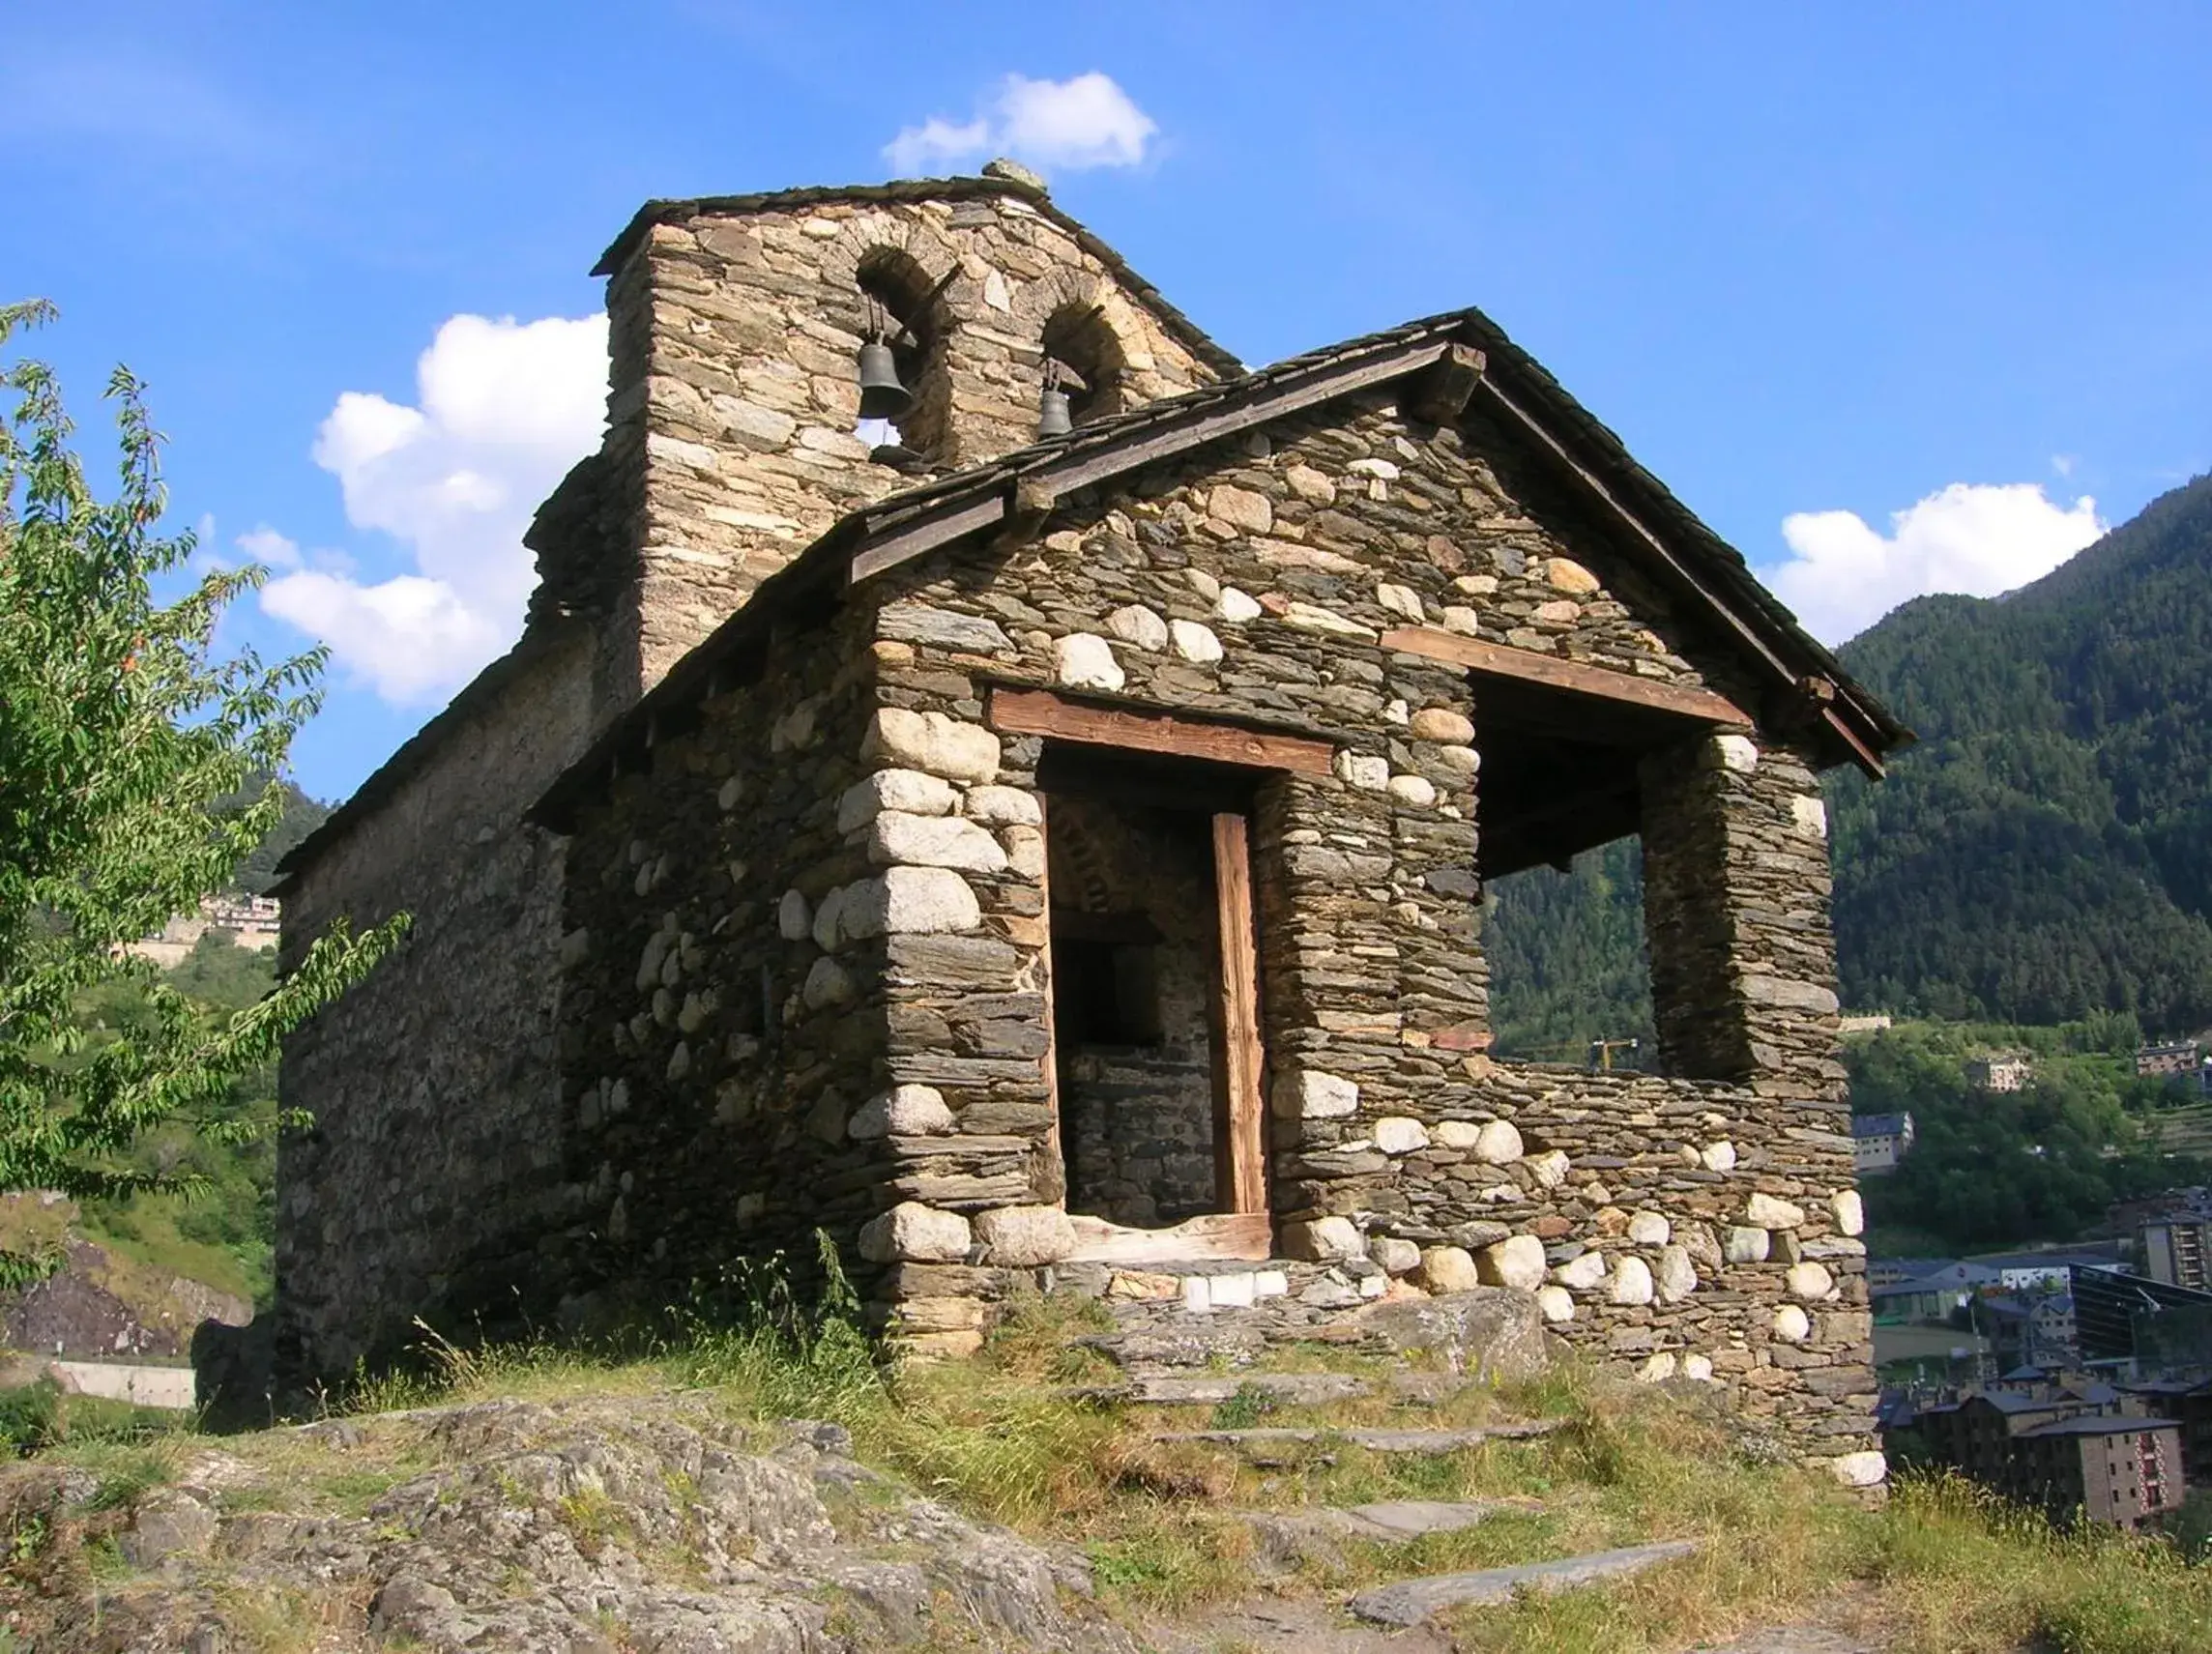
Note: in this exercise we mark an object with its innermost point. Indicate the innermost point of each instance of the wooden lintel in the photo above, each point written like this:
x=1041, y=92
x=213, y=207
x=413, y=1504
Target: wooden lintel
x=1247, y=1237
x=1440, y=394
x=1039, y=711
x=1525, y=666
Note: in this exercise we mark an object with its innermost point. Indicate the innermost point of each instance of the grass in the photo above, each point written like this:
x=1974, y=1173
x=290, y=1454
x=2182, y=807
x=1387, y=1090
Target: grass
x=1942, y=1567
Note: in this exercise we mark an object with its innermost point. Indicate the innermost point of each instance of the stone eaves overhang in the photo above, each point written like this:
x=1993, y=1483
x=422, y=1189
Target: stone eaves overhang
x=1449, y=361
x=915, y=190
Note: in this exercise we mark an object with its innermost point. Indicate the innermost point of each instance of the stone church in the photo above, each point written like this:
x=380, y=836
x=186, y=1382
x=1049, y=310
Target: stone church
x=990, y=778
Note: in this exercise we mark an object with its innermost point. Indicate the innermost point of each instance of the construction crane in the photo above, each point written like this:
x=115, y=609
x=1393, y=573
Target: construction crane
x=1601, y=1052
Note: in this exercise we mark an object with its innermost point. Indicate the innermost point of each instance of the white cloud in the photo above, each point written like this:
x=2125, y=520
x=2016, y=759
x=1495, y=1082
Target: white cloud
x=504, y=409
x=264, y=544
x=1082, y=122
x=1978, y=539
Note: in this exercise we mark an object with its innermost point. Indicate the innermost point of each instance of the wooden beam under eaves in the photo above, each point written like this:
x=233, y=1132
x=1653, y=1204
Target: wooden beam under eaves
x=1549, y=671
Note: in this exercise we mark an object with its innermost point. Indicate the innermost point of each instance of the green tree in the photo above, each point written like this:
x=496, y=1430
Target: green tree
x=127, y=747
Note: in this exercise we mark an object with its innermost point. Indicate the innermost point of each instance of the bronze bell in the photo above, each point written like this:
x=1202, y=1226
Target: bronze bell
x=1053, y=417
x=881, y=395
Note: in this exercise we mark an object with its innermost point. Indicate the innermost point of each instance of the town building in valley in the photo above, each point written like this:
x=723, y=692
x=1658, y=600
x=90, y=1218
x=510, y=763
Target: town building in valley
x=2071, y=1452
x=1879, y=1141
x=1041, y=840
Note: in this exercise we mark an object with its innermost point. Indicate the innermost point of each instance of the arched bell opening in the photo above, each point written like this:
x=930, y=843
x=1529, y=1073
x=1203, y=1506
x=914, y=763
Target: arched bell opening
x=905, y=397
x=1084, y=369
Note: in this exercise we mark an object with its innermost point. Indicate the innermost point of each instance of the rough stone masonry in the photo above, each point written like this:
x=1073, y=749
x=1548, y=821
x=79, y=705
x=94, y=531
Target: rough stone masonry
x=764, y=937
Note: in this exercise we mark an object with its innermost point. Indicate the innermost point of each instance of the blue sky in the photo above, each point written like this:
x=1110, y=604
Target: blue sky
x=1884, y=292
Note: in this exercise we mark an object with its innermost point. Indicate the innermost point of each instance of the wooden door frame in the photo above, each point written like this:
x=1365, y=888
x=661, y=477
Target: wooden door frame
x=1243, y=1228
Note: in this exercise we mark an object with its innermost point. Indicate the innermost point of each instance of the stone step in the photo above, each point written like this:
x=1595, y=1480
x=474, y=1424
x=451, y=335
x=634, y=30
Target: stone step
x=1289, y=1537
x=1261, y=1438
x=1182, y=1390
x=1411, y=1602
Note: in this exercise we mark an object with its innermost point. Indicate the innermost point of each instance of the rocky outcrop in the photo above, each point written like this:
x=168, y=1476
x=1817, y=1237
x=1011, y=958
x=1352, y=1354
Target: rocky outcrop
x=589, y=1526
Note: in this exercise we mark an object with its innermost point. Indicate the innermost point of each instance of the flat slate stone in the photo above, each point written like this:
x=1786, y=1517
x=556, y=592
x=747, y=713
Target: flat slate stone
x=1373, y=1440
x=1295, y=1389
x=1411, y=1602
x=1290, y=1537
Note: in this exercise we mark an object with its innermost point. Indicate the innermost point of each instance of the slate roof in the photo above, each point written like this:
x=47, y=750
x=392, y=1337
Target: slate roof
x=2107, y=1425
x=1878, y=1125
x=1145, y=434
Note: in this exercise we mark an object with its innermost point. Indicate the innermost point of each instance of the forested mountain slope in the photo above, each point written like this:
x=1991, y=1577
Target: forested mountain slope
x=2044, y=850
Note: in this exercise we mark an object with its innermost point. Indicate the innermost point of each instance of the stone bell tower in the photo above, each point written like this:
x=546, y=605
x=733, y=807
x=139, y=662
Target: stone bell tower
x=733, y=412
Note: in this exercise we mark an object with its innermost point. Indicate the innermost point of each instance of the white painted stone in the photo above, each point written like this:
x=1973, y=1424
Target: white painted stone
x=1810, y=1281
x=1550, y=1168
x=1718, y=1156
x=1657, y=1369
x=1398, y=1257
x=1373, y=1286
x=1849, y=1211
x=1499, y=1143
x=1738, y=753
x=1323, y=1240
x=1632, y=1283
x=1516, y=1262
x=1236, y=607
x=1866, y=1468
x=1556, y=1304
x=1195, y=643
x=933, y=742
x=1699, y=1369
x=827, y=984
x=1462, y=761
x=912, y=791
x=1025, y=1237
x=1235, y=1291
x=793, y=918
x=1401, y=600
x=1271, y=1284
x=1308, y=1093
x=1747, y=1245
x=912, y=1232
x=933, y=841
x=1449, y=1269
x=909, y=901
x=1768, y=1212
x=726, y=797
x=1370, y=774
x=1197, y=1299
x=1460, y=1134
x=903, y=1111
x=1084, y=660
x=1676, y=1277
x=1395, y=1134
x=1580, y=1272
x=1810, y=814
x=1003, y=806
x=1416, y=791
x=1792, y=1324
x=1649, y=1229
x=1134, y=623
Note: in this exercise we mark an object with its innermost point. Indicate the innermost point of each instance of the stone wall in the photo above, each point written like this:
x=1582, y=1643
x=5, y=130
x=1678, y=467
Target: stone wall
x=433, y=1167
x=711, y=1053
x=1703, y=1225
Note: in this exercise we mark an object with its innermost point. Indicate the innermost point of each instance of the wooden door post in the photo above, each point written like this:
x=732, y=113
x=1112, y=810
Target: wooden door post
x=1240, y=1159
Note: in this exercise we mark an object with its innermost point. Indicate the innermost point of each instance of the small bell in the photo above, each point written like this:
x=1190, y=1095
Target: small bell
x=881, y=395
x=1053, y=417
